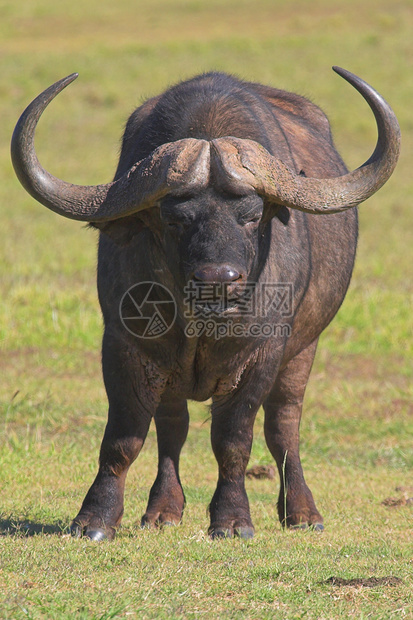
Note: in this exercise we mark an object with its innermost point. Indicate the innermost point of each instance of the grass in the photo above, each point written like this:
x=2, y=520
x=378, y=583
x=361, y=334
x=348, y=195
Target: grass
x=358, y=419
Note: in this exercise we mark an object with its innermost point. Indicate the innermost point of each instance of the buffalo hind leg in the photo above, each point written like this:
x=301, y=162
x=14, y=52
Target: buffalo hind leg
x=166, y=499
x=283, y=407
x=128, y=423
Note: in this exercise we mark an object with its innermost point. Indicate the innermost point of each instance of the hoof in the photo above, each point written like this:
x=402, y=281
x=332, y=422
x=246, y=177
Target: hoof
x=299, y=526
x=166, y=524
x=245, y=532
x=219, y=533
x=97, y=535
x=145, y=525
x=314, y=527
x=76, y=531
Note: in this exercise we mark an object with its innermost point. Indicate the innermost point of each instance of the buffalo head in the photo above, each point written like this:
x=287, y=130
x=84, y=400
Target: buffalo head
x=184, y=167
x=212, y=194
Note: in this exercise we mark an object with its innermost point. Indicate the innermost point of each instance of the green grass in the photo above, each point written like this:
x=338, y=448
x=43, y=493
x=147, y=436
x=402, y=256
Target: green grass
x=358, y=421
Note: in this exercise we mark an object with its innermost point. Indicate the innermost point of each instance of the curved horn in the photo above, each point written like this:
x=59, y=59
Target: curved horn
x=252, y=166
x=180, y=166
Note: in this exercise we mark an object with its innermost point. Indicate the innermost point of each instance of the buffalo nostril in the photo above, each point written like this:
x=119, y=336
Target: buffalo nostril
x=234, y=275
x=217, y=273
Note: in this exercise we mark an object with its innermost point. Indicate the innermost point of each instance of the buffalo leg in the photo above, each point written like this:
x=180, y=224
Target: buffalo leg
x=231, y=438
x=166, y=499
x=296, y=507
x=128, y=423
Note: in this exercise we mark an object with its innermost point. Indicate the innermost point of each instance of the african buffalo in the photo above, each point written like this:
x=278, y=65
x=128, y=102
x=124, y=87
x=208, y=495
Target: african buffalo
x=233, y=192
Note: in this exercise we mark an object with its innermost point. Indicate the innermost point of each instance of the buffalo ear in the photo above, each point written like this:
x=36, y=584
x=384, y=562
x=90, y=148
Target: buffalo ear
x=273, y=210
x=283, y=214
x=121, y=231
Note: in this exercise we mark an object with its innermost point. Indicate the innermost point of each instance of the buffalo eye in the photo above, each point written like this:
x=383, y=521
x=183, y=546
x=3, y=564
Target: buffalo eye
x=252, y=222
x=175, y=227
x=251, y=219
x=249, y=211
x=175, y=221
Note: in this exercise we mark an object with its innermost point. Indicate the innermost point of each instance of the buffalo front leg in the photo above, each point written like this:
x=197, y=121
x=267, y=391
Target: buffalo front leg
x=231, y=438
x=283, y=407
x=166, y=499
x=128, y=423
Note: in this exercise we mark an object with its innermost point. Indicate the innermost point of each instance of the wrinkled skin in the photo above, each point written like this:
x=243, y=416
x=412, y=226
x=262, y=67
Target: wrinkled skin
x=224, y=236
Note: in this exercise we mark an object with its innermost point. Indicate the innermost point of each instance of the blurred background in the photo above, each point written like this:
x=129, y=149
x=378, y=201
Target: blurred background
x=50, y=324
x=357, y=424
x=129, y=50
